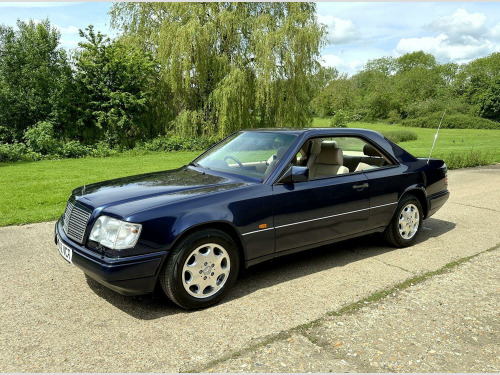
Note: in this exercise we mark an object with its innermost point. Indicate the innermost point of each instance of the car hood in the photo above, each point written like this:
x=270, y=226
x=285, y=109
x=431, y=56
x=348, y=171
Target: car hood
x=181, y=182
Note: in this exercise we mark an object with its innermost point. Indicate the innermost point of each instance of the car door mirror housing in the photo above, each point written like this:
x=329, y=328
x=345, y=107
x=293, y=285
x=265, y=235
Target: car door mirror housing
x=295, y=174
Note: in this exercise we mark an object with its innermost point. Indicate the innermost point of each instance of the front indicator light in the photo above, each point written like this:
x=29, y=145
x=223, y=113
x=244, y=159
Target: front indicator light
x=114, y=233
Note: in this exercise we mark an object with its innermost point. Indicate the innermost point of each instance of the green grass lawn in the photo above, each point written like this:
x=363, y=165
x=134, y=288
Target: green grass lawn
x=457, y=141
x=38, y=191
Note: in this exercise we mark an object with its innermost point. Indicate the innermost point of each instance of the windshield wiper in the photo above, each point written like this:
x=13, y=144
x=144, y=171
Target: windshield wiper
x=193, y=164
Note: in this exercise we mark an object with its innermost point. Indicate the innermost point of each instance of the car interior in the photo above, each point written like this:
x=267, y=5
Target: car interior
x=324, y=157
x=327, y=157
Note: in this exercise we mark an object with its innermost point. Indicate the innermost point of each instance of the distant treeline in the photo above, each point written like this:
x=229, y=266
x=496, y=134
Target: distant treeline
x=414, y=90
x=204, y=70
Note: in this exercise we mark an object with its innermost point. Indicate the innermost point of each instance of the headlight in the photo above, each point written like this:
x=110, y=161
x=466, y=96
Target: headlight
x=114, y=233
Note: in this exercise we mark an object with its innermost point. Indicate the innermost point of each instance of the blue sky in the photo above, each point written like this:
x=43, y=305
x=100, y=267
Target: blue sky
x=457, y=32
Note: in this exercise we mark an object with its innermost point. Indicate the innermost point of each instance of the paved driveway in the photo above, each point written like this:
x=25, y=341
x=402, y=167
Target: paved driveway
x=53, y=319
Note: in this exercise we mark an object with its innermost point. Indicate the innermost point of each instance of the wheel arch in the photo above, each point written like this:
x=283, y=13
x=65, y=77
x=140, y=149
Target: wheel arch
x=419, y=193
x=221, y=225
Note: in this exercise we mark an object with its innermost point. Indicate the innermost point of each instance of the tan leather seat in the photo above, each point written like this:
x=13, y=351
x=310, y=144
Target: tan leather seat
x=329, y=162
x=372, y=155
x=315, y=149
x=362, y=167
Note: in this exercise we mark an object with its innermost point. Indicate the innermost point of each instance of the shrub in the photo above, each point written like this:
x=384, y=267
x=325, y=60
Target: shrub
x=339, y=120
x=12, y=152
x=40, y=138
x=356, y=116
x=398, y=136
x=452, y=121
x=436, y=106
x=102, y=150
x=74, y=149
x=465, y=160
x=177, y=143
x=5, y=134
x=393, y=117
x=16, y=152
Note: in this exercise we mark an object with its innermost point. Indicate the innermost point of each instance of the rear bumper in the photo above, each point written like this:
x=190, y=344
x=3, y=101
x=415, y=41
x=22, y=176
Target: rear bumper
x=436, y=201
x=130, y=275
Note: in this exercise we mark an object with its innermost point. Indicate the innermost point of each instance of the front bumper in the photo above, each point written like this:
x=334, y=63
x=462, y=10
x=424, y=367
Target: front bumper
x=131, y=275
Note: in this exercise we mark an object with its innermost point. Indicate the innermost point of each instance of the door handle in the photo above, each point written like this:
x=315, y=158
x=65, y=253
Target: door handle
x=361, y=186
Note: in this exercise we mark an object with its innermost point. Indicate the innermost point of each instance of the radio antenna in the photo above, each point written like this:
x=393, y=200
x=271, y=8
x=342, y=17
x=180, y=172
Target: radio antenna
x=436, y=137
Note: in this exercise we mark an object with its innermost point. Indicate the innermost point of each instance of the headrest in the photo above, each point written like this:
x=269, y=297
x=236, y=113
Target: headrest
x=369, y=150
x=315, y=146
x=334, y=143
x=330, y=154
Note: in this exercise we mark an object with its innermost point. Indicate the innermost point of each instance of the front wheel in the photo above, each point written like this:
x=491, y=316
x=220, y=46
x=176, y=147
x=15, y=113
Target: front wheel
x=201, y=269
x=404, y=227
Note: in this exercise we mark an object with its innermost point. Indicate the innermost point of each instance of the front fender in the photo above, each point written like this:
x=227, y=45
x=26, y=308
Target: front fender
x=189, y=220
x=219, y=218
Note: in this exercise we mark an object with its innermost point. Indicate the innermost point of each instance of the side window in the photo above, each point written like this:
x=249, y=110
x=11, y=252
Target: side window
x=301, y=157
x=359, y=155
x=341, y=155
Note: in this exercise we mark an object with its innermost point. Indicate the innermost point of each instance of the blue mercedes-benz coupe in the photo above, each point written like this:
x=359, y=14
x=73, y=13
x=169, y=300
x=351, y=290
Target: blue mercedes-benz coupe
x=256, y=195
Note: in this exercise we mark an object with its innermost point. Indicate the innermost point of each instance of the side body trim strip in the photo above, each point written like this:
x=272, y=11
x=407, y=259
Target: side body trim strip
x=321, y=218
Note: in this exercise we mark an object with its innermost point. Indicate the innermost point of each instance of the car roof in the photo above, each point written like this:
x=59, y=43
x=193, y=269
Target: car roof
x=318, y=131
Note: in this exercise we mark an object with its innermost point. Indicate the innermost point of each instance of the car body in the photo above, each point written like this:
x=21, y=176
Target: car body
x=265, y=214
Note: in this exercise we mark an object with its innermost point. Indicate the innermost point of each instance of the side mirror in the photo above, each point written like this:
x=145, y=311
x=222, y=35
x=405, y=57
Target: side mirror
x=295, y=174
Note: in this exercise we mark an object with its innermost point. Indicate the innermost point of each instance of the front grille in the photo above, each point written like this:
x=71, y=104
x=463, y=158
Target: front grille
x=75, y=222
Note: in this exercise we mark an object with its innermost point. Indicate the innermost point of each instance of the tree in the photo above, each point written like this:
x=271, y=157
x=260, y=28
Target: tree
x=375, y=85
x=339, y=94
x=413, y=60
x=477, y=82
x=35, y=78
x=417, y=77
x=229, y=65
x=115, y=85
x=489, y=102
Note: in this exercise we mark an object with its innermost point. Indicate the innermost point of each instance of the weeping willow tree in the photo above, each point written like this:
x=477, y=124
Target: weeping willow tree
x=227, y=66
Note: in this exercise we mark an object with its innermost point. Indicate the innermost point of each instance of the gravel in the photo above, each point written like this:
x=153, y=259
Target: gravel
x=449, y=323
x=53, y=319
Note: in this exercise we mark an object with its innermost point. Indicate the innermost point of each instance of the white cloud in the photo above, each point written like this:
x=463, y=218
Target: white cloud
x=460, y=24
x=495, y=32
x=463, y=37
x=68, y=30
x=342, y=65
x=339, y=31
x=441, y=47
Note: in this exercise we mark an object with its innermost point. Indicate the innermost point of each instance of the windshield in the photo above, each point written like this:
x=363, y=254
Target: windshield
x=253, y=154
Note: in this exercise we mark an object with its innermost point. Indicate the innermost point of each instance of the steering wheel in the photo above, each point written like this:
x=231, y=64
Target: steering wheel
x=236, y=160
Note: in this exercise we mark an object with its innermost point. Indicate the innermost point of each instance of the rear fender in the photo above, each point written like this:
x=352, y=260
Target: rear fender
x=418, y=190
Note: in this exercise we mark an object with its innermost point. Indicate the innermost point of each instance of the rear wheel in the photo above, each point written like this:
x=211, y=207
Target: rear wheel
x=201, y=269
x=406, y=223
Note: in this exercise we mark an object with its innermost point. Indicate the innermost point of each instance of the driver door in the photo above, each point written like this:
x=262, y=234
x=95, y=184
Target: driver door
x=319, y=211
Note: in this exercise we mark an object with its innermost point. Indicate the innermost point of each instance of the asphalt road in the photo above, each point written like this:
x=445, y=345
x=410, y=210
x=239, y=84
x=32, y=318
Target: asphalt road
x=55, y=320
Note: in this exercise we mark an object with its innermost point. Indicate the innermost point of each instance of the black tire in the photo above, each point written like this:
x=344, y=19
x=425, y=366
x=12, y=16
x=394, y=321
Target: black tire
x=393, y=234
x=171, y=275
